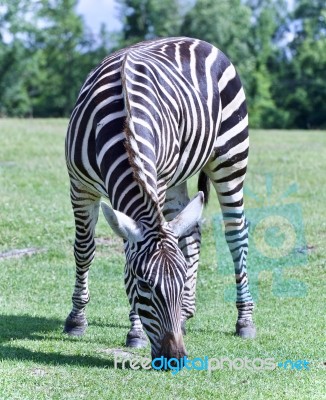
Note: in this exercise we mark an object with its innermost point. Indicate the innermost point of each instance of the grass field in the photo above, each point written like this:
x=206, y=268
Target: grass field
x=38, y=362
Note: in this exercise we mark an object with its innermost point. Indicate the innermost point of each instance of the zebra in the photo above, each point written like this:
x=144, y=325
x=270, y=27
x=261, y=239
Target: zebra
x=147, y=118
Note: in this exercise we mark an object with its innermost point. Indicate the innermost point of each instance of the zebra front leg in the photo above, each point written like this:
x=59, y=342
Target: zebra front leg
x=190, y=246
x=86, y=209
x=136, y=337
x=176, y=199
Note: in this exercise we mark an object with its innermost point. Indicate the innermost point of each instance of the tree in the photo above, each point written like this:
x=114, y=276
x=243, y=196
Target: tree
x=18, y=65
x=304, y=74
x=225, y=24
x=46, y=53
x=268, y=26
x=61, y=41
x=147, y=19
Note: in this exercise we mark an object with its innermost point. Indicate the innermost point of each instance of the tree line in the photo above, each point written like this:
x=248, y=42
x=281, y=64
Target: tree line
x=277, y=46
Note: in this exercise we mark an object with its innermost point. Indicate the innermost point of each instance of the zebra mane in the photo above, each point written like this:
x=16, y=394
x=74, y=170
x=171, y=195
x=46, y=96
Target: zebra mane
x=134, y=153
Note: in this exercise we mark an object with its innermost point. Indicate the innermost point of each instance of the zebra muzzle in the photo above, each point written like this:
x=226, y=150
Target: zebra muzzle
x=173, y=346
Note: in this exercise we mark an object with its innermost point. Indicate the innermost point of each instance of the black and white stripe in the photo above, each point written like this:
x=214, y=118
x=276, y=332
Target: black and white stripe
x=147, y=119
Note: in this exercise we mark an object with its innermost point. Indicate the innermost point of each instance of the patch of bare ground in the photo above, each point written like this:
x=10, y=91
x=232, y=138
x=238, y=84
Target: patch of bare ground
x=18, y=253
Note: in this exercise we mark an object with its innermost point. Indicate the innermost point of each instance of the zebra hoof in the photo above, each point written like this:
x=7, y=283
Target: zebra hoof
x=75, y=326
x=136, y=338
x=245, y=329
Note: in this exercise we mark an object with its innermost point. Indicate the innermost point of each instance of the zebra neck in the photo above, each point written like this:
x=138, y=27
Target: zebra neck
x=140, y=148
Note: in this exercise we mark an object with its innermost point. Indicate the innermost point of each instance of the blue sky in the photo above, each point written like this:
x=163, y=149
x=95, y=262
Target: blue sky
x=97, y=11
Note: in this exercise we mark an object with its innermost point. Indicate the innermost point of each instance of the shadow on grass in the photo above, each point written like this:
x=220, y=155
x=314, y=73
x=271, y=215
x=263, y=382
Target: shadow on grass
x=15, y=327
x=212, y=331
x=22, y=354
x=109, y=325
x=26, y=327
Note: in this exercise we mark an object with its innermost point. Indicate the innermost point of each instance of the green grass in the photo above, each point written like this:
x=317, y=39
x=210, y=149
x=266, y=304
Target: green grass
x=38, y=362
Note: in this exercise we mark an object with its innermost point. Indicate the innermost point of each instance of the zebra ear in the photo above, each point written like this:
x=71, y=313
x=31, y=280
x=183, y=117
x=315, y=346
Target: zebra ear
x=121, y=224
x=189, y=216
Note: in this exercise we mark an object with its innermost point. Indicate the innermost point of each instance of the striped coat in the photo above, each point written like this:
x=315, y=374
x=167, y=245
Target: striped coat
x=147, y=119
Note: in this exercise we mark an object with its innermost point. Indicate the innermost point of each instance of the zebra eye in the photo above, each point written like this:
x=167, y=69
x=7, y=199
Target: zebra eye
x=144, y=286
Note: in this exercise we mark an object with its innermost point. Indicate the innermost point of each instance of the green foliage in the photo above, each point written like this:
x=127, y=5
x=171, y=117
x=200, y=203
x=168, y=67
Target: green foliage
x=304, y=72
x=46, y=58
x=46, y=52
x=223, y=30
x=147, y=19
x=59, y=39
x=266, y=24
x=17, y=61
x=230, y=17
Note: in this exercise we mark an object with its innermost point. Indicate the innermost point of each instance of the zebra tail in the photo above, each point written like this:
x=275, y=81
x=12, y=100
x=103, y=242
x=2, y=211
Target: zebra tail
x=204, y=186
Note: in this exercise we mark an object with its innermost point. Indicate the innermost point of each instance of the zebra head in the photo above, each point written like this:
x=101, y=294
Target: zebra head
x=156, y=271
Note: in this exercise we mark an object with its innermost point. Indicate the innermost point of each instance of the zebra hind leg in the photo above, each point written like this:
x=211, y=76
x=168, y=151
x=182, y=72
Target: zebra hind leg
x=236, y=235
x=176, y=199
x=86, y=208
x=230, y=195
